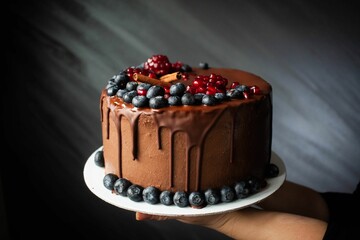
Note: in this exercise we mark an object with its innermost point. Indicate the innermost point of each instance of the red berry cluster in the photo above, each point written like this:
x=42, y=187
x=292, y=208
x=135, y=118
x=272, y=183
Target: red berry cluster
x=159, y=64
x=208, y=84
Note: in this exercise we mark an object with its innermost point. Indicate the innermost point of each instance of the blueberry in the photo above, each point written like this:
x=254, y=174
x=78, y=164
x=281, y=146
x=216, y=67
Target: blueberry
x=209, y=100
x=255, y=184
x=227, y=194
x=120, y=93
x=140, y=101
x=121, y=80
x=177, y=89
x=151, y=195
x=212, y=196
x=220, y=97
x=181, y=199
x=158, y=102
x=128, y=96
x=112, y=90
x=154, y=91
x=271, y=170
x=188, y=99
x=121, y=186
x=174, y=101
x=143, y=86
x=167, y=198
x=242, y=88
x=99, y=158
x=109, y=180
x=242, y=189
x=232, y=93
x=185, y=68
x=197, y=199
x=198, y=98
x=204, y=65
x=134, y=192
x=132, y=85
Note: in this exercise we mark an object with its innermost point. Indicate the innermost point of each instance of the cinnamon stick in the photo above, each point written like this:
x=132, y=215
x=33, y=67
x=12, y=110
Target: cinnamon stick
x=153, y=81
x=171, y=77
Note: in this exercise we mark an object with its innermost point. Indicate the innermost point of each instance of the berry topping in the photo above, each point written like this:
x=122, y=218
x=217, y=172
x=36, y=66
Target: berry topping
x=204, y=65
x=155, y=91
x=151, y=195
x=181, y=199
x=140, y=101
x=121, y=80
x=177, y=89
x=207, y=90
x=188, y=99
x=99, y=158
x=130, y=86
x=209, y=100
x=158, y=102
x=121, y=186
x=109, y=180
x=159, y=64
x=174, y=100
x=134, y=192
x=128, y=96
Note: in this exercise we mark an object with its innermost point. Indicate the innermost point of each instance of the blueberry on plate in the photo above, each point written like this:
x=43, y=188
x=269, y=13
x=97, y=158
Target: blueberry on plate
x=99, y=158
x=242, y=189
x=167, y=198
x=271, y=171
x=197, y=199
x=227, y=194
x=121, y=186
x=256, y=184
x=181, y=199
x=109, y=180
x=151, y=195
x=134, y=192
x=212, y=196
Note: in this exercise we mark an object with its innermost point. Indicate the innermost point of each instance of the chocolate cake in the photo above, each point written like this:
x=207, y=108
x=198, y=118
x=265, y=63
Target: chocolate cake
x=190, y=136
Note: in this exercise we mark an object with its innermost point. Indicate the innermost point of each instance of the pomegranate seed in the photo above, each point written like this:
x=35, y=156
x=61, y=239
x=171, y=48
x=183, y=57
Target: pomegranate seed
x=234, y=84
x=167, y=89
x=246, y=95
x=255, y=90
x=142, y=92
x=198, y=83
x=200, y=90
x=191, y=89
x=152, y=75
x=210, y=91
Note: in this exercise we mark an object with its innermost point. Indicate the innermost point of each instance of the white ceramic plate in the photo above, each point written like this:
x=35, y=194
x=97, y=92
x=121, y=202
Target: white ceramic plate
x=94, y=174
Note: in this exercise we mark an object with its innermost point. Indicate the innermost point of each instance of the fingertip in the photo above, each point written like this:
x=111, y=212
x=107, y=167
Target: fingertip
x=143, y=216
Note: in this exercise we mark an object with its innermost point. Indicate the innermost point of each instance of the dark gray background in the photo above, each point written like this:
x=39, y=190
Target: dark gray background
x=59, y=54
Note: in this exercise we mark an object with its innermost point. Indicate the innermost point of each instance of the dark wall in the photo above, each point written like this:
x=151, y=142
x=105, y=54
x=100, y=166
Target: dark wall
x=59, y=54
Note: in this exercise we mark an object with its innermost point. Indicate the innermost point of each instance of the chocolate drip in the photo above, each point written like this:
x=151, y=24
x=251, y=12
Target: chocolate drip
x=108, y=124
x=133, y=118
x=196, y=125
x=101, y=108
